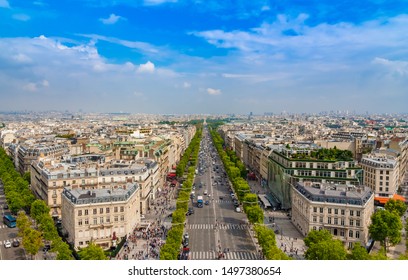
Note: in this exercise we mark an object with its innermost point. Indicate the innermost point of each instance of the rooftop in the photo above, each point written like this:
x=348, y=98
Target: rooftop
x=335, y=193
x=80, y=196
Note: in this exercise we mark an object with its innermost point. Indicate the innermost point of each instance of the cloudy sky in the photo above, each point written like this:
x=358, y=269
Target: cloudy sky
x=192, y=56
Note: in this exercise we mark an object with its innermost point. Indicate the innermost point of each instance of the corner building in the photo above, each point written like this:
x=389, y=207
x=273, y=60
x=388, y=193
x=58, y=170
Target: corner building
x=344, y=210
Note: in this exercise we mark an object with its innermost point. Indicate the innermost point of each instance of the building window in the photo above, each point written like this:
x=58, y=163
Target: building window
x=79, y=212
x=381, y=172
x=358, y=213
x=342, y=232
x=95, y=211
x=343, y=212
x=336, y=211
x=115, y=218
x=95, y=221
x=351, y=213
x=86, y=212
x=314, y=209
x=336, y=221
x=387, y=172
x=357, y=234
x=320, y=219
x=321, y=209
x=101, y=220
x=314, y=219
x=107, y=210
x=108, y=219
x=351, y=233
x=357, y=223
x=122, y=218
x=80, y=222
x=122, y=209
x=100, y=210
x=81, y=243
x=329, y=210
x=351, y=222
x=115, y=209
x=54, y=184
x=314, y=228
x=86, y=221
x=329, y=220
x=342, y=222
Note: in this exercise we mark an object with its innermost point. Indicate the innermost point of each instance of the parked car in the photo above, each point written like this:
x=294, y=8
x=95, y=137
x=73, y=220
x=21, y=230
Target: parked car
x=16, y=243
x=238, y=210
x=7, y=244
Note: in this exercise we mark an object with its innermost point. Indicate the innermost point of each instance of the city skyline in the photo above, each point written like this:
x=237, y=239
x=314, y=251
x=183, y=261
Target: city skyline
x=203, y=57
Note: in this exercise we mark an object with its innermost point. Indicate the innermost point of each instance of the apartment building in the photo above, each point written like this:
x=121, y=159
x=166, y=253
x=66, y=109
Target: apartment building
x=381, y=174
x=103, y=216
x=48, y=179
x=27, y=153
x=307, y=162
x=344, y=210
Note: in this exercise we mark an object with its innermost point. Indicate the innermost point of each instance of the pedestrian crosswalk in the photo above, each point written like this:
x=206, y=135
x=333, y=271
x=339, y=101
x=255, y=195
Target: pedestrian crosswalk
x=11, y=240
x=220, y=226
x=3, y=226
x=210, y=255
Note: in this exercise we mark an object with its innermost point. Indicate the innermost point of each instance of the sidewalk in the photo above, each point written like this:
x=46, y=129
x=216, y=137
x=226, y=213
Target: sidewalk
x=150, y=235
x=288, y=238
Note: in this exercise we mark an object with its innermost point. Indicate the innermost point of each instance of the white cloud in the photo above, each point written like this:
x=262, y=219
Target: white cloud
x=212, y=91
x=158, y=2
x=394, y=66
x=112, y=19
x=36, y=86
x=4, y=4
x=21, y=58
x=186, y=85
x=21, y=17
x=30, y=87
x=148, y=67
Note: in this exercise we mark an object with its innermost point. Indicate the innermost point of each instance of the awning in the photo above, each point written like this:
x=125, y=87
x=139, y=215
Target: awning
x=384, y=200
x=398, y=197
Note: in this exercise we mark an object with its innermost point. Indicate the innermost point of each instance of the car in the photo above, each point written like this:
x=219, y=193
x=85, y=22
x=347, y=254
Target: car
x=7, y=244
x=238, y=210
x=16, y=243
x=190, y=211
x=207, y=202
x=205, y=192
x=236, y=203
x=232, y=195
x=5, y=207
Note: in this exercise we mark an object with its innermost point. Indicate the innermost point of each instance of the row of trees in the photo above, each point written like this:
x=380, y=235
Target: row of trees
x=236, y=172
x=170, y=250
x=17, y=190
x=40, y=227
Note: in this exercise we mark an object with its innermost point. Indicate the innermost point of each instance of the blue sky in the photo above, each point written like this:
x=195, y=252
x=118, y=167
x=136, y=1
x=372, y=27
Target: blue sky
x=183, y=57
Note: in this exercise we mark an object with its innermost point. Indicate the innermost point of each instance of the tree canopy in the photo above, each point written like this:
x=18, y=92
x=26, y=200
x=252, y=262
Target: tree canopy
x=386, y=227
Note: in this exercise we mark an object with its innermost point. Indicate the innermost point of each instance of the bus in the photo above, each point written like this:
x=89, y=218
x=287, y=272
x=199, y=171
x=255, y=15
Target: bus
x=10, y=221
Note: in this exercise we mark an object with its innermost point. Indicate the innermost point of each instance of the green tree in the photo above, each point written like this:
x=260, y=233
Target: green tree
x=38, y=209
x=322, y=246
x=386, y=227
x=315, y=236
x=358, y=252
x=396, y=205
x=23, y=223
x=32, y=241
x=92, y=252
x=27, y=177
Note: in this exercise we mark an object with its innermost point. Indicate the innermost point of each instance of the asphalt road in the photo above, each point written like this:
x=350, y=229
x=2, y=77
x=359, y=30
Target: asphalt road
x=8, y=234
x=216, y=227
